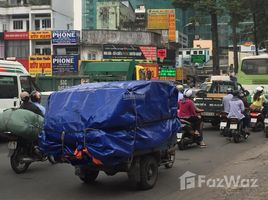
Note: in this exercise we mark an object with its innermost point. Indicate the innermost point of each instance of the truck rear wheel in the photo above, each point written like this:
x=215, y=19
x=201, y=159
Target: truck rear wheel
x=148, y=172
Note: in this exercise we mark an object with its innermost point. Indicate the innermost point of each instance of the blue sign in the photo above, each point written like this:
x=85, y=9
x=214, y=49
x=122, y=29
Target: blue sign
x=65, y=37
x=67, y=64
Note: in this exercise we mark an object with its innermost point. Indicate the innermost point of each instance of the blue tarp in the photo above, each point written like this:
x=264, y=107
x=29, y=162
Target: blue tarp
x=111, y=120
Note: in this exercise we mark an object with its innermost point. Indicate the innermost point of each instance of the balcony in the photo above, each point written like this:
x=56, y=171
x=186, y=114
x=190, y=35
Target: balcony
x=24, y=3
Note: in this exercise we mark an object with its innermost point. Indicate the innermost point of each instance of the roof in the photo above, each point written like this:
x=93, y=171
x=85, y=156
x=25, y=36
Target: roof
x=12, y=67
x=256, y=57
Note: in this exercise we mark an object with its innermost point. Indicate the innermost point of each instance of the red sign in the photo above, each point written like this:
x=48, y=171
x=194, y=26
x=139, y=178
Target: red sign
x=149, y=53
x=16, y=35
x=161, y=53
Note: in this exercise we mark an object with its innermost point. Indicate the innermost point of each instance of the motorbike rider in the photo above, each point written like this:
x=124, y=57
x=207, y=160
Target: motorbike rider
x=258, y=101
x=36, y=100
x=27, y=105
x=188, y=111
x=226, y=100
x=246, y=112
x=180, y=93
x=237, y=109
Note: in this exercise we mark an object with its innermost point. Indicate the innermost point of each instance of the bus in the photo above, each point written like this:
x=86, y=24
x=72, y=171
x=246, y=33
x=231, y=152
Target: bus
x=253, y=72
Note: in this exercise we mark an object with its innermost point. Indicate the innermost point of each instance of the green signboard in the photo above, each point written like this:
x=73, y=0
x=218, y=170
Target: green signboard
x=198, y=58
x=167, y=72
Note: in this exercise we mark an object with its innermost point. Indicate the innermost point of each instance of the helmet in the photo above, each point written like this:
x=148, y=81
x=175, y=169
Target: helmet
x=24, y=96
x=236, y=93
x=36, y=96
x=229, y=91
x=188, y=93
x=179, y=87
x=259, y=89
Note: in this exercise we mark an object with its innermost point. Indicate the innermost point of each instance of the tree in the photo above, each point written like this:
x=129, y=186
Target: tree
x=212, y=8
x=237, y=11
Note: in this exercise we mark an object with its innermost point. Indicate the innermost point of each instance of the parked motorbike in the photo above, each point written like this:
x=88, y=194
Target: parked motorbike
x=224, y=124
x=23, y=152
x=186, y=136
x=236, y=130
x=256, y=121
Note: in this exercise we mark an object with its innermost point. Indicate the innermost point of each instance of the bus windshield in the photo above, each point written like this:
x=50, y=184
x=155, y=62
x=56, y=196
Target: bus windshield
x=255, y=66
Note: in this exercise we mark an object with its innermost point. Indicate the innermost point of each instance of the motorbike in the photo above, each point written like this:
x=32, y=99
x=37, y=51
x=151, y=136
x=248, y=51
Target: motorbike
x=23, y=152
x=256, y=121
x=236, y=130
x=224, y=124
x=186, y=136
x=266, y=126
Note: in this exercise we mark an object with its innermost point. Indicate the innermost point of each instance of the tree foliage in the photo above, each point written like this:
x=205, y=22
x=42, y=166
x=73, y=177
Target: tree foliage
x=211, y=7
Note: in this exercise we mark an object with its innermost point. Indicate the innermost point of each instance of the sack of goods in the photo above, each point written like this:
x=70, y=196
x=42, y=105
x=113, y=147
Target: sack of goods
x=22, y=123
x=106, y=123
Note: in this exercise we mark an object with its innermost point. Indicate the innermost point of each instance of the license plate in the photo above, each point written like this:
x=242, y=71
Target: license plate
x=12, y=145
x=253, y=120
x=179, y=136
x=223, y=125
x=266, y=121
x=233, y=126
x=208, y=114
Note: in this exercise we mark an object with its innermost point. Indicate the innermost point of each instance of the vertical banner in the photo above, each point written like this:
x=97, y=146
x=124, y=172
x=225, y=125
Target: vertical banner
x=40, y=65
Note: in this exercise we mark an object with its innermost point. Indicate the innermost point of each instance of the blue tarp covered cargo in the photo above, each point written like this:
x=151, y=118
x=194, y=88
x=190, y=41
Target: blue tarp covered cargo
x=110, y=120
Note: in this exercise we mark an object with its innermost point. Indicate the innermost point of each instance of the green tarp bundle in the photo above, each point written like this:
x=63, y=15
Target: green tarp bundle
x=22, y=123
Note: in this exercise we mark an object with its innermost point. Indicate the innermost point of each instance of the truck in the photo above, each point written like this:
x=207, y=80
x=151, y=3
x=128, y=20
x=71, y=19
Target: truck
x=14, y=79
x=210, y=98
x=94, y=71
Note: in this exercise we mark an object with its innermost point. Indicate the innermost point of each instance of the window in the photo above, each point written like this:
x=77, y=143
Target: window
x=37, y=24
x=46, y=23
x=46, y=51
x=180, y=52
x=8, y=87
x=26, y=84
x=255, y=66
x=188, y=52
x=91, y=56
x=200, y=52
x=18, y=25
x=195, y=52
x=18, y=48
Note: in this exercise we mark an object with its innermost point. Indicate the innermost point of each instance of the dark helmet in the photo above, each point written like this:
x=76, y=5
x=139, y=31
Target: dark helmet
x=36, y=96
x=25, y=96
x=236, y=93
x=229, y=91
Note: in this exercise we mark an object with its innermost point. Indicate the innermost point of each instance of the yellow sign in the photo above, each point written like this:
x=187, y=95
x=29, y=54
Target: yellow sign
x=40, y=65
x=40, y=35
x=163, y=19
x=179, y=74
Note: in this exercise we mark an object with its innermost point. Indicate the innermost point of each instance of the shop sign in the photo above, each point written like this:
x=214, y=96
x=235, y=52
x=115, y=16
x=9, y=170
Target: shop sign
x=65, y=64
x=40, y=65
x=65, y=37
x=40, y=35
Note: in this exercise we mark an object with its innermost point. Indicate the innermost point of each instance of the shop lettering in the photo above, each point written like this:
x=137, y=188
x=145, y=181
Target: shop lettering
x=64, y=34
x=63, y=60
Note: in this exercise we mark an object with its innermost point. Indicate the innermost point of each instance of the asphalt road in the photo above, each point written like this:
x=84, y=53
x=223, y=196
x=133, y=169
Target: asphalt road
x=45, y=181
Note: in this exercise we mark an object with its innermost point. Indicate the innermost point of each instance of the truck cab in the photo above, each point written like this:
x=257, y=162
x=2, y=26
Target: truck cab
x=14, y=79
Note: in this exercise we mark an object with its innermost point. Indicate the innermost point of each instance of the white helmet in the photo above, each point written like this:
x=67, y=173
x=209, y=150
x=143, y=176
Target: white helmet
x=259, y=89
x=188, y=93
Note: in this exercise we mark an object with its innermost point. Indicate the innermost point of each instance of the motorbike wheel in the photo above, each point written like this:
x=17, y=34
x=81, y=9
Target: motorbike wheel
x=181, y=145
x=171, y=161
x=266, y=132
x=237, y=137
x=89, y=176
x=148, y=172
x=17, y=165
x=51, y=160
